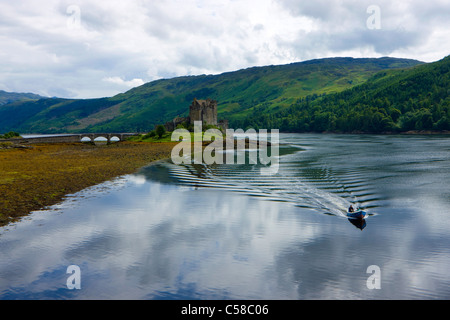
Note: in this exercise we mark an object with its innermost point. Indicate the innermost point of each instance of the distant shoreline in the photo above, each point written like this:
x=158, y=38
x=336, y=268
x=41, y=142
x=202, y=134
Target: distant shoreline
x=426, y=132
x=411, y=132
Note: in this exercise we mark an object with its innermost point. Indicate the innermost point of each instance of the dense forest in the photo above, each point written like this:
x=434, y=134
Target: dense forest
x=390, y=101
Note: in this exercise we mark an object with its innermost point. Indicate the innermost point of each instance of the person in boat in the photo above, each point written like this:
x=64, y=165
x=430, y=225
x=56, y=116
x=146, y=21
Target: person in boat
x=351, y=209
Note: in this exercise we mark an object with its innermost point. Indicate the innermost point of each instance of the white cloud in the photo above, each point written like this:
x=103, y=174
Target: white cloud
x=87, y=49
x=409, y=29
x=121, y=82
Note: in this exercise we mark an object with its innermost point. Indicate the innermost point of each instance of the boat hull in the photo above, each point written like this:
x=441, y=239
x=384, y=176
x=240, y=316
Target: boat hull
x=360, y=214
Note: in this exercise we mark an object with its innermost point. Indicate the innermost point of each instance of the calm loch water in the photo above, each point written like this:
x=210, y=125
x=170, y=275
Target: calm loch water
x=228, y=232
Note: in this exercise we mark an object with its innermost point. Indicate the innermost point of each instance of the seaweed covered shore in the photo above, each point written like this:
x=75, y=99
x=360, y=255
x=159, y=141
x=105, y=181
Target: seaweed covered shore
x=41, y=175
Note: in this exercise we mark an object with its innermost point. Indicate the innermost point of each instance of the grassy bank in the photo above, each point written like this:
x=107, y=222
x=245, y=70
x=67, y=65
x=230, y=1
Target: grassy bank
x=33, y=178
x=167, y=137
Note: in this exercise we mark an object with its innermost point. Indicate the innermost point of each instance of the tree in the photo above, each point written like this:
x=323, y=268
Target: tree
x=425, y=120
x=10, y=135
x=160, y=130
x=443, y=124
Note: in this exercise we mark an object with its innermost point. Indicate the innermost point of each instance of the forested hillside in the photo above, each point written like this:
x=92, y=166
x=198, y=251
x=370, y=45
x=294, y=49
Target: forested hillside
x=390, y=101
x=279, y=92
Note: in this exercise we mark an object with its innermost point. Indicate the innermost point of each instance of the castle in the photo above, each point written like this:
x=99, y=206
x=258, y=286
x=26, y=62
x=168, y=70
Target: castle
x=200, y=110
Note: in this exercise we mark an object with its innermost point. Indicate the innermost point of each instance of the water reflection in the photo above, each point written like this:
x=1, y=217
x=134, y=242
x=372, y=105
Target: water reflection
x=182, y=232
x=359, y=223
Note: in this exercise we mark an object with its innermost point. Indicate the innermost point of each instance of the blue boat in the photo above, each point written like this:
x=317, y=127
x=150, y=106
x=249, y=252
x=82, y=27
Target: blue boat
x=358, y=214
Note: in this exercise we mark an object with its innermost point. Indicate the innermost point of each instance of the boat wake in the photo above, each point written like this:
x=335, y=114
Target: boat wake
x=305, y=185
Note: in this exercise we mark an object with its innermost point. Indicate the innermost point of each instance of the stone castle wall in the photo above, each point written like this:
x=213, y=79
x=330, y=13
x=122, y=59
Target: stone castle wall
x=204, y=111
x=200, y=110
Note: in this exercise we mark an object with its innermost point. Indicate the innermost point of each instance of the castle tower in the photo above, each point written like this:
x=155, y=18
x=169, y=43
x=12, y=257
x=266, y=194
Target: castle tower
x=204, y=111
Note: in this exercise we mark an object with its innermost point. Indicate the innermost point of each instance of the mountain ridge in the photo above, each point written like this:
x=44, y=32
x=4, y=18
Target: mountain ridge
x=394, y=100
x=8, y=97
x=239, y=93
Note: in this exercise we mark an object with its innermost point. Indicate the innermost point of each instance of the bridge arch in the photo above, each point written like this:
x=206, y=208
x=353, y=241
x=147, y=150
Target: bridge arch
x=115, y=138
x=101, y=140
x=101, y=137
x=87, y=138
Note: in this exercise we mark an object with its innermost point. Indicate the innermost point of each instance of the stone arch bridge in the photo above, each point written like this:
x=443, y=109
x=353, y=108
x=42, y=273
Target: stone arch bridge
x=70, y=138
x=107, y=136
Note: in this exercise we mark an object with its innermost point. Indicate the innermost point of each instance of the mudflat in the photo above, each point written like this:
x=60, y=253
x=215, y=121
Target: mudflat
x=41, y=175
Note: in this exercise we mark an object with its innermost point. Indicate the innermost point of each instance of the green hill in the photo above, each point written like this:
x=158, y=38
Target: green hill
x=391, y=101
x=242, y=96
x=8, y=97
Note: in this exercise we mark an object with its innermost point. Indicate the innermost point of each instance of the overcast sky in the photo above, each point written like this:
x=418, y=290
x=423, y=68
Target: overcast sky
x=88, y=49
